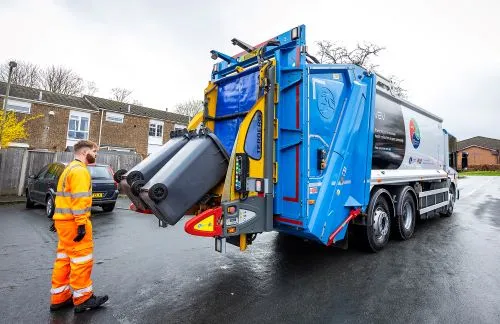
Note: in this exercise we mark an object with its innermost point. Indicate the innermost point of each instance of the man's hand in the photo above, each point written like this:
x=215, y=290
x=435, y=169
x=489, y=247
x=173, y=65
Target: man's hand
x=81, y=233
x=52, y=227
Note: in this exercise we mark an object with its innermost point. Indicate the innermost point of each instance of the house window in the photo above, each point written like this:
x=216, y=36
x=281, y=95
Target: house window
x=114, y=117
x=78, y=126
x=19, y=106
x=155, y=130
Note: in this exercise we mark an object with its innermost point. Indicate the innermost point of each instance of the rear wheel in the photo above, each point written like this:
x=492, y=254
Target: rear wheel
x=29, y=203
x=49, y=206
x=451, y=204
x=108, y=207
x=376, y=234
x=406, y=215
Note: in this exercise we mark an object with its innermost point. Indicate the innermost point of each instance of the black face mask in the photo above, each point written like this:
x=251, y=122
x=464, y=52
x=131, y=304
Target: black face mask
x=90, y=158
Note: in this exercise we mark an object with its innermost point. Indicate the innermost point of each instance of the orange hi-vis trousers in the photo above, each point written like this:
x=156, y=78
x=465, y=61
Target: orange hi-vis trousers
x=73, y=265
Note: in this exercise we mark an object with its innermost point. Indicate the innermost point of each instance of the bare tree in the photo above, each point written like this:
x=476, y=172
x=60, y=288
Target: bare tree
x=25, y=74
x=331, y=53
x=90, y=88
x=362, y=55
x=189, y=108
x=396, y=87
x=136, y=102
x=62, y=80
x=334, y=53
x=120, y=94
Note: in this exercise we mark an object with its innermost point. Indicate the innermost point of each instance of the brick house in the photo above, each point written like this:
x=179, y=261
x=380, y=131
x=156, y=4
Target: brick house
x=481, y=151
x=66, y=119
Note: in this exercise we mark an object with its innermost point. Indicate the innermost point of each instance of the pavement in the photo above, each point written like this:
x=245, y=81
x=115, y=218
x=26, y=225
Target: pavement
x=6, y=200
x=447, y=273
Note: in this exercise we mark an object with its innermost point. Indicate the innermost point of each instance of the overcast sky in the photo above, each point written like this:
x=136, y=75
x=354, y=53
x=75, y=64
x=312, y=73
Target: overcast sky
x=447, y=52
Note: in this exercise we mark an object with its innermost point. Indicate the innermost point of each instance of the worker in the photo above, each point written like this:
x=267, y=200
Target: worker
x=74, y=261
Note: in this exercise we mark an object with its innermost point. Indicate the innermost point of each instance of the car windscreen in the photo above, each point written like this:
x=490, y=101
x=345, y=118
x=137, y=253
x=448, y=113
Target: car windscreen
x=100, y=172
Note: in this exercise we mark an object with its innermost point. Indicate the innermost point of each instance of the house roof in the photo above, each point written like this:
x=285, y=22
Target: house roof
x=47, y=96
x=486, y=142
x=123, y=108
x=90, y=103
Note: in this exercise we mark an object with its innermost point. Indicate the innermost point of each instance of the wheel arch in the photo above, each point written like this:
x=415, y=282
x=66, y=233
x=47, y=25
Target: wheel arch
x=400, y=193
x=382, y=192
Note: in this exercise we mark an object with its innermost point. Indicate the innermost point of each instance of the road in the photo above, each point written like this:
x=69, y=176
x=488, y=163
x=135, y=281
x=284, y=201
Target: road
x=447, y=273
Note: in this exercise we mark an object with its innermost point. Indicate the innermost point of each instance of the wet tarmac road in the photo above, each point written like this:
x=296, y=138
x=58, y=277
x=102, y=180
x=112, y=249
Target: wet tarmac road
x=448, y=272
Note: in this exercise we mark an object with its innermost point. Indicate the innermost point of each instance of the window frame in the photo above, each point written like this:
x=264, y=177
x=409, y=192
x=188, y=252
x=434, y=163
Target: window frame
x=110, y=115
x=154, y=127
x=10, y=101
x=77, y=116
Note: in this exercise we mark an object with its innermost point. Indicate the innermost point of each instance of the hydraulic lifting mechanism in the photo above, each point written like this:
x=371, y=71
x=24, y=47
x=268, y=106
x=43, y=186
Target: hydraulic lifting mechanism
x=283, y=144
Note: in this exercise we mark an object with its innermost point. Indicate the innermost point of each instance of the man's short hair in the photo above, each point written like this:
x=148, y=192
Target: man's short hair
x=84, y=144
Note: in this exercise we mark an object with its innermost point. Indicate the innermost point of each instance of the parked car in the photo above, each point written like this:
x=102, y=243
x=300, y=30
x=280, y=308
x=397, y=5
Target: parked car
x=41, y=187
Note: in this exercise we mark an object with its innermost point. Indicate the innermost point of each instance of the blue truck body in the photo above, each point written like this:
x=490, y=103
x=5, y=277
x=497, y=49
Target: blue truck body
x=323, y=147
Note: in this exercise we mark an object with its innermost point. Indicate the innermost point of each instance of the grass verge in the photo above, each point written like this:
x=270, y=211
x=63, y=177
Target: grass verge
x=480, y=173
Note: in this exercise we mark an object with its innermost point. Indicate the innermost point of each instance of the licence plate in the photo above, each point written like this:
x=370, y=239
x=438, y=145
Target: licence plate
x=97, y=194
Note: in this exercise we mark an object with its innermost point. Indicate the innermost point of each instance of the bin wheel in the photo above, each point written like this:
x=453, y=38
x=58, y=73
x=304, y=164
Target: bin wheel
x=134, y=176
x=118, y=175
x=136, y=187
x=158, y=192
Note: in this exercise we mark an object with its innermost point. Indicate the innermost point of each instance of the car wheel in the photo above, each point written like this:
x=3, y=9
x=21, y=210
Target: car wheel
x=49, y=206
x=108, y=207
x=29, y=202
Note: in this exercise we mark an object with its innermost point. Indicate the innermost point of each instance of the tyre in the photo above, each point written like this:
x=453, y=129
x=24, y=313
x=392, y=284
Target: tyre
x=406, y=215
x=29, y=203
x=50, y=206
x=108, y=207
x=376, y=234
x=451, y=205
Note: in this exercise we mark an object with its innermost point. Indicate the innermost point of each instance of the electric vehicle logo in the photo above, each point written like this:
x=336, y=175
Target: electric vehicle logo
x=414, y=133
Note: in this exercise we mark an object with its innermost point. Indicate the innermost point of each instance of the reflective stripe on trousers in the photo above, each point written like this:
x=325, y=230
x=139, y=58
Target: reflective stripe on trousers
x=81, y=292
x=82, y=259
x=61, y=255
x=59, y=290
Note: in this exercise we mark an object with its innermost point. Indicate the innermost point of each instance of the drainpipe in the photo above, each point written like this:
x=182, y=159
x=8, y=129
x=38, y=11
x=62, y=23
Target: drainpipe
x=100, y=128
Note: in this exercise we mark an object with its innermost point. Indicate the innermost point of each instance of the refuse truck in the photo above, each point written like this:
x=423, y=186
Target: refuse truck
x=287, y=144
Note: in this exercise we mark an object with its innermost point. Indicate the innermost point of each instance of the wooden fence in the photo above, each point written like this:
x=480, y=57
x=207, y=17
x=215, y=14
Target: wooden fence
x=17, y=164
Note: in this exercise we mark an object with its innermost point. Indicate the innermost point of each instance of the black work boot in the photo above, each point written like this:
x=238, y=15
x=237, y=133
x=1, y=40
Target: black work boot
x=91, y=303
x=64, y=304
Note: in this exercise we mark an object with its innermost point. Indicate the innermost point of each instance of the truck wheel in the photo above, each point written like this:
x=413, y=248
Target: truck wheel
x=377, y=232
x=404, y=224
x=451, y=205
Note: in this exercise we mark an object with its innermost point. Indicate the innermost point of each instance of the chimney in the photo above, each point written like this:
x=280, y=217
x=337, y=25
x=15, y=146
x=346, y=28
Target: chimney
x=128, y=108
x=40, y=95
x=166, y=109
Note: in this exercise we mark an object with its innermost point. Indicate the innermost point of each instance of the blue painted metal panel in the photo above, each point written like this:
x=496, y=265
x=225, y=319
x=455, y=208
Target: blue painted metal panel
x=320, y=106
x=342, y=184
x=235, y=95
x=289, y=191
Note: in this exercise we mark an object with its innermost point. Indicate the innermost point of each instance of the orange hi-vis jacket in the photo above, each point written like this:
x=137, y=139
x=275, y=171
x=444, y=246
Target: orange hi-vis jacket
x=74, y=194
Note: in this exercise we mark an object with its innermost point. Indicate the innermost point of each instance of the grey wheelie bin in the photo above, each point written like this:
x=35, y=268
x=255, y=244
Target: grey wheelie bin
x=198, y=167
